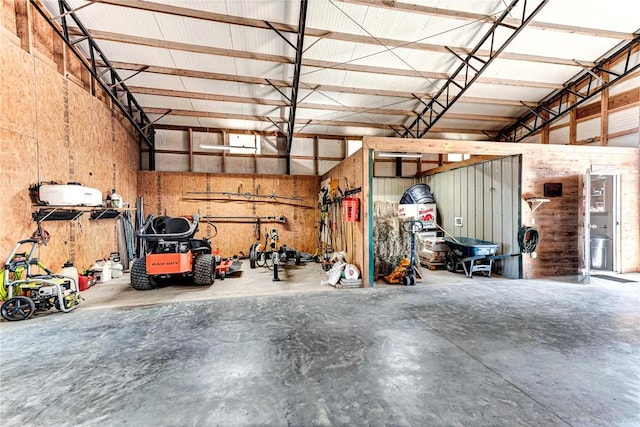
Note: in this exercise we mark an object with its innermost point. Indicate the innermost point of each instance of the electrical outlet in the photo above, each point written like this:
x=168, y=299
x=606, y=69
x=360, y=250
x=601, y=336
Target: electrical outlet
x=458, y=221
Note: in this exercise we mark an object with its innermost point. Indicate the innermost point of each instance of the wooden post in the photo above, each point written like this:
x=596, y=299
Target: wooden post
x=316, y=161
x=190, y=133
x=545, y=130
x=23, y=24
x=573, y=126
x=255, y=153
x=224, y=153
x=604, y=113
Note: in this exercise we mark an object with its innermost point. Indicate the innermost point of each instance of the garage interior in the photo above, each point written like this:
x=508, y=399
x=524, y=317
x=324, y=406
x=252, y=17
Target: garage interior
x=304, y=125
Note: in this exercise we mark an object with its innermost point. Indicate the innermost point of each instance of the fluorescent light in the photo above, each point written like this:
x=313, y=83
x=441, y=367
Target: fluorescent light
x=237, y=150
x=396, y=155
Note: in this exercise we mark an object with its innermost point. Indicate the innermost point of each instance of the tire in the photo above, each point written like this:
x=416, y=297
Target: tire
x=17, y=308
x=204, y=270
x=408, y=280
x=450, y=262
x=140, y=280
x=252, y=256
x=298, y=262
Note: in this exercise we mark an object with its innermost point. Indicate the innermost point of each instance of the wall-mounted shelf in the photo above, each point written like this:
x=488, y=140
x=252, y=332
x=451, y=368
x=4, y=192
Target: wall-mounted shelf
x=535, y=203
x=71, y=213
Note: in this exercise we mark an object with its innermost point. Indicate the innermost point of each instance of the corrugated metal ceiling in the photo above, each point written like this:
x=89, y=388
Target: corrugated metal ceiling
x=363, y=60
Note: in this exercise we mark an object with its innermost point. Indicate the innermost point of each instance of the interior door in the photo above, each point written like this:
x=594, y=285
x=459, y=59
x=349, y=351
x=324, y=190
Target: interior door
x=584, y=275
x=601, y=222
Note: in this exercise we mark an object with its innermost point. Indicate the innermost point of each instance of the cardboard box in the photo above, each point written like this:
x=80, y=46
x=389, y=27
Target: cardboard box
x=434, y=244
x=421, y=211
x=427, y=255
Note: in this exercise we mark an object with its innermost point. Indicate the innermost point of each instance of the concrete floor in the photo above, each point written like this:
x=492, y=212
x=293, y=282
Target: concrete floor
x=248, y=351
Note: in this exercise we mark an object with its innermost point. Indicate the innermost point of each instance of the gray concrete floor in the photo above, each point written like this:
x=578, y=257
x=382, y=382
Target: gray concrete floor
x=248, y=351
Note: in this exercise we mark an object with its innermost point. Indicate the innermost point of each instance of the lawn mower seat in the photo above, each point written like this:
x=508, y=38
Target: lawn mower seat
x=178, y=225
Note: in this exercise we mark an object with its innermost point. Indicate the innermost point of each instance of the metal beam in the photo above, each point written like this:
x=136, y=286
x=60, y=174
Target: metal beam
x=296, y=81
x=452, y=89
x=116, y=87
x=585, y=86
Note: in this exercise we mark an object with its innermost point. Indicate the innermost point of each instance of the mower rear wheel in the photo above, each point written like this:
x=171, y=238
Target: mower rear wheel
x=140, y=280
x=204, y=270
x=17, y=308
x=253, y=255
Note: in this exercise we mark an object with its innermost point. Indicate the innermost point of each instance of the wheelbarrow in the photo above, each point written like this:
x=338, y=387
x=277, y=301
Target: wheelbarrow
x=470, y=255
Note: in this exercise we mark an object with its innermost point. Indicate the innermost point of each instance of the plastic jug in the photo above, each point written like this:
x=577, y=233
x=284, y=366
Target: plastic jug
x=102, y=270
x=70, y=271
x=116, y=199
x=116, y=270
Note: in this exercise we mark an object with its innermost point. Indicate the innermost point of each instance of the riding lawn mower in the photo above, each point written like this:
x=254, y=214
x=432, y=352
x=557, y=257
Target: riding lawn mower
x=171, y=252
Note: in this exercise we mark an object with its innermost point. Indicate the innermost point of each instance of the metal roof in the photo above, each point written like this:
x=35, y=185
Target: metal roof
x=368, y=67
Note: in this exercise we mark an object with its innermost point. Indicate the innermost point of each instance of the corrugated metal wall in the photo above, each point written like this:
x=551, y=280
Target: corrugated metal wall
x=391, y=189
x=487, y=198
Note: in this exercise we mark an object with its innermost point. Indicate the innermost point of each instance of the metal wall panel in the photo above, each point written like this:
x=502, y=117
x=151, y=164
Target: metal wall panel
x=487, y=198
x=391, y=189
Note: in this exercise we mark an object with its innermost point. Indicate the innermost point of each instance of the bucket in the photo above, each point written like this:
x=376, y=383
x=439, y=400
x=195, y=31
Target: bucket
x=418, y=193
x=350, y=209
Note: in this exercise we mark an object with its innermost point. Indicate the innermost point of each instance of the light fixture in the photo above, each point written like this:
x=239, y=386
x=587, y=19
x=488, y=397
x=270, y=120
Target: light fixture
x=237, y=150
x=396, y=155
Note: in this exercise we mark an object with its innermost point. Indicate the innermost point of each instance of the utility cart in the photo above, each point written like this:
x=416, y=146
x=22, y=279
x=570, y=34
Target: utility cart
x=470, y=255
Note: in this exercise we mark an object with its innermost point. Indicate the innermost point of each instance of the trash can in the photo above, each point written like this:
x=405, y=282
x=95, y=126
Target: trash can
x=599, y=251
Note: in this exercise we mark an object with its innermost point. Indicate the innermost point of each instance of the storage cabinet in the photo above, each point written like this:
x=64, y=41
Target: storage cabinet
x=598, y=195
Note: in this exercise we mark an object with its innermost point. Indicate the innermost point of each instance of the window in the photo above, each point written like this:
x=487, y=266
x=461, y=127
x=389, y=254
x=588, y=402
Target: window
x=455, y=157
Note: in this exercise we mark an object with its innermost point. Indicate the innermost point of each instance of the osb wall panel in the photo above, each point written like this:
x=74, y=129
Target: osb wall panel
x=351, y=241
x=173, y=194
x=8, y=16
x=53, y=130
x=17, y=101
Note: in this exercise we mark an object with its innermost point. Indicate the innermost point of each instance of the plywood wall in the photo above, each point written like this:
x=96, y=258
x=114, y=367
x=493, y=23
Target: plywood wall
x=184, y=194
x=53, y=129
x=350, y=234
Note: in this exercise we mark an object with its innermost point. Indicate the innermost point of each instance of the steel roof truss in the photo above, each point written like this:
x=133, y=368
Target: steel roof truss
x=582, y=88
x=469, y=72
x=66, y=12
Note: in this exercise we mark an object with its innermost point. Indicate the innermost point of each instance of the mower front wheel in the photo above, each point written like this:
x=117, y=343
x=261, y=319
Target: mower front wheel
x=140, y=280
x=204, y=270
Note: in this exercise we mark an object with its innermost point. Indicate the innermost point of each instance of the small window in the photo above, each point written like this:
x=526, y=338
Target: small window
x=353, y=145
x=244, y=143
x=455, y=157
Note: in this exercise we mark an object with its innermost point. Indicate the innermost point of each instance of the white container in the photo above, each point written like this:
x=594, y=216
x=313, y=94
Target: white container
x=102, y=271
x=421, y=211
x=116, y=199
x=69, y=195
x=116, y=270
x=68, y=270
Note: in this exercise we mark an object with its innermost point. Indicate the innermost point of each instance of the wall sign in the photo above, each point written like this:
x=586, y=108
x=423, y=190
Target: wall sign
x=553, y=189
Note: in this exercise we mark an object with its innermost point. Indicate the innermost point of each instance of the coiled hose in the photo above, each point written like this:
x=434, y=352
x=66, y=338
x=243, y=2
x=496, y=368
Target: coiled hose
x=528, y=238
